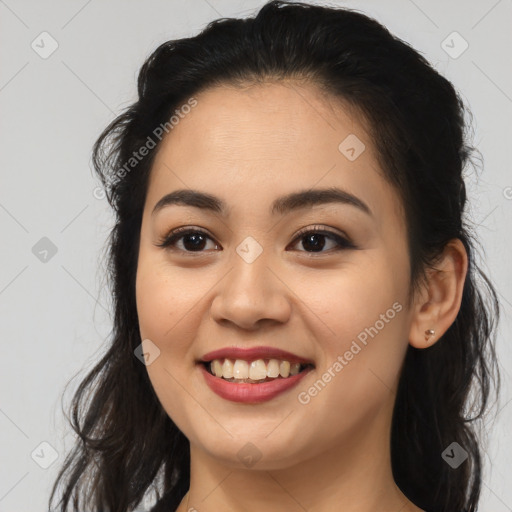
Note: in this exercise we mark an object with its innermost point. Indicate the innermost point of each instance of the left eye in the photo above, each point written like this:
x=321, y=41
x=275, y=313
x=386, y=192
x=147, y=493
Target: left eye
x=194, y=240
x=313, y=238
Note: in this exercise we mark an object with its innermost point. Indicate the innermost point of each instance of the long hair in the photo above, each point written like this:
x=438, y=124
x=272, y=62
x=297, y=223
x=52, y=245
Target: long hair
x=127, y=446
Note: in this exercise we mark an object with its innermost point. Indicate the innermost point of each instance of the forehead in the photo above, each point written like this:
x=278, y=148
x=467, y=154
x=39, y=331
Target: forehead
x=263, y=123
x=249, y=145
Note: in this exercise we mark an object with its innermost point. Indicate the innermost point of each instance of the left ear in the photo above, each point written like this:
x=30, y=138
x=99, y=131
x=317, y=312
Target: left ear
x=440, y=298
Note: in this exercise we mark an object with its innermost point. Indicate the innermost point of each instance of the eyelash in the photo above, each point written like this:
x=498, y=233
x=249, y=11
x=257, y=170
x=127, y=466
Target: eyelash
x=169, y=240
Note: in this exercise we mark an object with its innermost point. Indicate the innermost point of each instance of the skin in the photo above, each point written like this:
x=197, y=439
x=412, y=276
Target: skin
x=248, y=146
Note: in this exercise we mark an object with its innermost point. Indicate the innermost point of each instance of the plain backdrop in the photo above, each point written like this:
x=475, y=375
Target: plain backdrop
x=67, y=69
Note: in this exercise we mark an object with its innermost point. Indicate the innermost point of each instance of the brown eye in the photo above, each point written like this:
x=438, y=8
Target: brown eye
x=313, y=240
x=194, y=240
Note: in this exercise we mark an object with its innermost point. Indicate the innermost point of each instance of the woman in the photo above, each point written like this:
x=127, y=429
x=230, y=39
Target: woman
x=298, y=324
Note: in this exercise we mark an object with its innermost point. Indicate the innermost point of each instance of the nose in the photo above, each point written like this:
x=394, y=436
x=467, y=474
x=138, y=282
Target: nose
x=250, y=295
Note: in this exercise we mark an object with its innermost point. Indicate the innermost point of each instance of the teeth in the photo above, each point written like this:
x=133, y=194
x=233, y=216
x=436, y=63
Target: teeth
x=227, y=369
x=257, y=370
x=273, y=368
x=294, y=368
x=217, y=368
x=284, y=369
x=240, y=369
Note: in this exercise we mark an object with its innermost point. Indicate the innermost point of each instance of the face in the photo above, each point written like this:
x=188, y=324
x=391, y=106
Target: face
x=251, y=276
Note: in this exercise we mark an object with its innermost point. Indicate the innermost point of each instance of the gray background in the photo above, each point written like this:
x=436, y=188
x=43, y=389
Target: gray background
x=55, y=313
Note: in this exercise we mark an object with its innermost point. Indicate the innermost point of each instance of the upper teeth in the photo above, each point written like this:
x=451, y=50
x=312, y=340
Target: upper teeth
x=256, y=370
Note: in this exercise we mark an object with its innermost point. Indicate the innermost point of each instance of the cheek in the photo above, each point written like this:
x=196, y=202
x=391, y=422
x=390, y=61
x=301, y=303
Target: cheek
x=164, y=306
x=166, y=317
x=366, y=318
x=360, y=364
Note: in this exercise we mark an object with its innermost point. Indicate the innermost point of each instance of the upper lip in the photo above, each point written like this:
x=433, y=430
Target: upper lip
x=253, y=353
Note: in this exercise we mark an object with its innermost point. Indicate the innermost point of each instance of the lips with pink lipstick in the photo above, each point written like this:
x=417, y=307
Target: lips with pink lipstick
x=252, y=375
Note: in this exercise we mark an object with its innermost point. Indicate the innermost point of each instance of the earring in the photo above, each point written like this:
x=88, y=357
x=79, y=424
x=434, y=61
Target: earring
x=429, y=333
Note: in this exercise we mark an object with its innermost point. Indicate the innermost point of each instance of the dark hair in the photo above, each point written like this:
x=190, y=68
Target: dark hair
x=128, y=445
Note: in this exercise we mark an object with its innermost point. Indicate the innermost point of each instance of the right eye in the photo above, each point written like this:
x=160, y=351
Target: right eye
x=193, y=240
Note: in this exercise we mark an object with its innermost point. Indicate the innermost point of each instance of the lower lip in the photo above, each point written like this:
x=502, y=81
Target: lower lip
x=251, y=393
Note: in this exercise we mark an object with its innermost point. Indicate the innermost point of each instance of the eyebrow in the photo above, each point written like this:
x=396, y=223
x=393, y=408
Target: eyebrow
x=282, y=205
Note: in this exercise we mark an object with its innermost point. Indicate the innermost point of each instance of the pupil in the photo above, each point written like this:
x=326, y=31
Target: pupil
x=315, y=245
x=196, y=244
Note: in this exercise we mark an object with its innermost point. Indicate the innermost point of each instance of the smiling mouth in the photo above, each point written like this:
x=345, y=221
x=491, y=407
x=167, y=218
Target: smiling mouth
x=254, y=372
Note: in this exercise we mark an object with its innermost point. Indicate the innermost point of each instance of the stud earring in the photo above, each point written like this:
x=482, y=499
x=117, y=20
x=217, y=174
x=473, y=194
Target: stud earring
x=429, y=333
